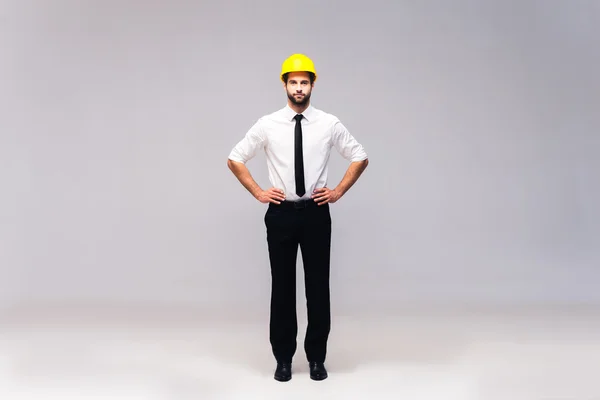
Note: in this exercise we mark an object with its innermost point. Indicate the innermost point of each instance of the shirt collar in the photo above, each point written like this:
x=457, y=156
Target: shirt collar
x=290, y=114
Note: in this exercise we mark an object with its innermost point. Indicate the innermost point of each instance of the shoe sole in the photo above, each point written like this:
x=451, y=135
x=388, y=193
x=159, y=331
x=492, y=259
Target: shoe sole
x=283, y=379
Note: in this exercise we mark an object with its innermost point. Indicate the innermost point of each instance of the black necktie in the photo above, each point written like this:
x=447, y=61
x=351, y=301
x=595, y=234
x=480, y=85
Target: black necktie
x=298, y=157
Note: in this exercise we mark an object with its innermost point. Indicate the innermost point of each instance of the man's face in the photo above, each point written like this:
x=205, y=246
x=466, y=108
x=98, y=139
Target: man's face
x=298, y=88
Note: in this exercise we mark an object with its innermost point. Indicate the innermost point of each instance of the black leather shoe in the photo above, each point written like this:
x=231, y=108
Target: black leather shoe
x=317, y=371
x=283, y=372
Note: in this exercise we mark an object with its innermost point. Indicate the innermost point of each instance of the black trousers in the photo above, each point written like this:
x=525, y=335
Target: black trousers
x=306, y=226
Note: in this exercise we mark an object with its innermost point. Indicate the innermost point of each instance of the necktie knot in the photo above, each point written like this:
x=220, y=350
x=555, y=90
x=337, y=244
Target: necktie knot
x=298, y=117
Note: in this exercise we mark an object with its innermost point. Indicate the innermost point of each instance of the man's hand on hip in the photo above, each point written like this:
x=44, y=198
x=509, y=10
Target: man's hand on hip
x=273, y=195
x=325, y=195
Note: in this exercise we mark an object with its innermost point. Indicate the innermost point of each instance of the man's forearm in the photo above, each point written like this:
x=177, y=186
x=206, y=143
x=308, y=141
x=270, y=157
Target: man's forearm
x=352, y=174
x=242, y=173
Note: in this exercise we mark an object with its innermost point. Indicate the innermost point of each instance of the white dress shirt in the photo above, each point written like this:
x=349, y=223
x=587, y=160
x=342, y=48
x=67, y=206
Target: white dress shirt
x=274, y=133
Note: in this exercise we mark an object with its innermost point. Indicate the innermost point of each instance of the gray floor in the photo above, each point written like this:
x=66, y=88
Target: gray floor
x=518, y=354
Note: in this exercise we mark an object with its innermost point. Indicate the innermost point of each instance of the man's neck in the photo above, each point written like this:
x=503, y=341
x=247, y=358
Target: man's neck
x=298, y=109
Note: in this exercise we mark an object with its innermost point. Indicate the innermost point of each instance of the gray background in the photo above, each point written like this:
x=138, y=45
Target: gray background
x=480, y=119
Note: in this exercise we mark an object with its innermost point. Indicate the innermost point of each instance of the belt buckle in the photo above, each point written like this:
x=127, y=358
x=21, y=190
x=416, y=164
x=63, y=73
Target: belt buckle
x=300, y=204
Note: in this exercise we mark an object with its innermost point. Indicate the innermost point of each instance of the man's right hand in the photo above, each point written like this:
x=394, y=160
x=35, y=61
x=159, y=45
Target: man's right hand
x=273, y=195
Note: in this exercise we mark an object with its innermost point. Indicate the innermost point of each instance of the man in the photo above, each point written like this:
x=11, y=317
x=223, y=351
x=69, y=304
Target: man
x=297, y=141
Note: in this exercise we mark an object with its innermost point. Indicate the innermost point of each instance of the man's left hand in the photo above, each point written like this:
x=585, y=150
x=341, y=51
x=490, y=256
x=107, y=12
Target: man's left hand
x=325, y=195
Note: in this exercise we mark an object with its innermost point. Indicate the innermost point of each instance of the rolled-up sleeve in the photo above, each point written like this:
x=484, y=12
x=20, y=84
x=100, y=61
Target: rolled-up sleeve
x=250, y=144
x=346, y=144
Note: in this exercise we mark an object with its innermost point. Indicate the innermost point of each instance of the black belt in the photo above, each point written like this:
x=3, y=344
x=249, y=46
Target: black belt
x=296, y=205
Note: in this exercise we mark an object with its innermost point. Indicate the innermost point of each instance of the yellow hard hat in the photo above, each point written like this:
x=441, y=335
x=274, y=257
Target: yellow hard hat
x=298, y=63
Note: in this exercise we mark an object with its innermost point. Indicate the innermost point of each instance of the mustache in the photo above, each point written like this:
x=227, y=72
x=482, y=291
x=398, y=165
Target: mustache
x=303, y=97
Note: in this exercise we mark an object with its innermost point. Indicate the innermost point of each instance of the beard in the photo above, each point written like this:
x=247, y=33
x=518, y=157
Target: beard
x=301, y=101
